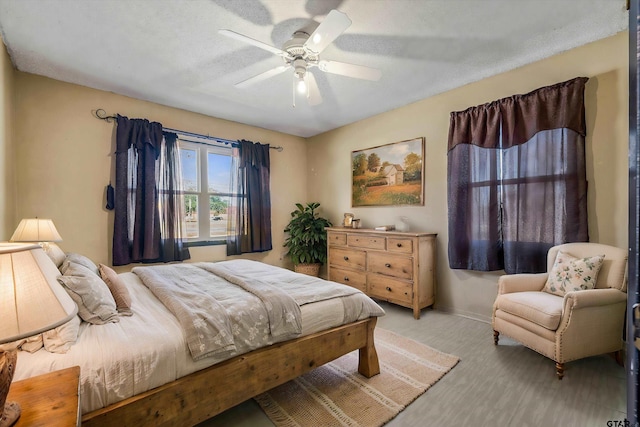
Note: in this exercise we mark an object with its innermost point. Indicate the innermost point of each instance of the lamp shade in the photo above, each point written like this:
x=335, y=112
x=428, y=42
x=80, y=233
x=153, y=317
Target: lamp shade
x=36, y=230
x=31, y=299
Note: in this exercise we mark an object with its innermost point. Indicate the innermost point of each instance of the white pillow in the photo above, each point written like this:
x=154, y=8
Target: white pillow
x=54, y=252
x=573, y=274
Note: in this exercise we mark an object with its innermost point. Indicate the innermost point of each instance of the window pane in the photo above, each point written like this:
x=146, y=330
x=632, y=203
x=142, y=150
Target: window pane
x=189, y=163
x=191, y=216
x=219, y=172
x=218, y=214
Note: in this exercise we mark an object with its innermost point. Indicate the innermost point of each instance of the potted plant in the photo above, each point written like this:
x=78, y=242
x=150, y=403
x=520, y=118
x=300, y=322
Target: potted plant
x=307, y=241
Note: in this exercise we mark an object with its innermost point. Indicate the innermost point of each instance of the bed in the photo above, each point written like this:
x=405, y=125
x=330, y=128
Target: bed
x=141, y=370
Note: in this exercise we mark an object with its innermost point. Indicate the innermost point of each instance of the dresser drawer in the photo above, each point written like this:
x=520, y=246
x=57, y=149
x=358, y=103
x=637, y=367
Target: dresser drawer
x=347, y=258
x=404, y=246
x=357, y=279
x=339, y=239
x=389, y=289
x=390, y=265
x=366, y=242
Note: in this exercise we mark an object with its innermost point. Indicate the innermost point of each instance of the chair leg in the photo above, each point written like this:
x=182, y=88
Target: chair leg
x=560, y=370
x=496, y=337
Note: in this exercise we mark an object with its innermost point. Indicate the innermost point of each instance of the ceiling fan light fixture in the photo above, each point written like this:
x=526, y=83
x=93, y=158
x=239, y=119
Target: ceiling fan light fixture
x=301, y=86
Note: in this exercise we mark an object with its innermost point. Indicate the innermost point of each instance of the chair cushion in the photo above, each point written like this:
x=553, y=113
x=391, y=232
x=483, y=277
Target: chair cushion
x=541, y=308
x=573, y=274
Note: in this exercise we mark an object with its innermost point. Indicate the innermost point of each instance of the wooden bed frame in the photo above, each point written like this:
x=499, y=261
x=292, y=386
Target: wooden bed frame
x=201, y=395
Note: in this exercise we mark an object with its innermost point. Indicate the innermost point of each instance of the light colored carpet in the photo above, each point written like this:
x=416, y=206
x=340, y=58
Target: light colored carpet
x=336, y=395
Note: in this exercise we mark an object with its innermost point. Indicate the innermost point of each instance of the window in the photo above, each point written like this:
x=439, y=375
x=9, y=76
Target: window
x=206, y=174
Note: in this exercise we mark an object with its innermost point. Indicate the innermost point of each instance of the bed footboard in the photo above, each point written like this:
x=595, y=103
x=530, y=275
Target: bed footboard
x=203, y=394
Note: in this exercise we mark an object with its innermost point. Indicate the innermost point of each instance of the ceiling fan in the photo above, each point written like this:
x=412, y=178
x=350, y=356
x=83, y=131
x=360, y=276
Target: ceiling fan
x=302, y=52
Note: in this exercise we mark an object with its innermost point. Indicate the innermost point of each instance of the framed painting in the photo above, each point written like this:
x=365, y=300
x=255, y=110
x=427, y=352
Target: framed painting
x=389, y=175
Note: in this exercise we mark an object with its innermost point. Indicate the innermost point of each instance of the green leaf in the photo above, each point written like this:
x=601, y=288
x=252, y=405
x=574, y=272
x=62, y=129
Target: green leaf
x=307, y=240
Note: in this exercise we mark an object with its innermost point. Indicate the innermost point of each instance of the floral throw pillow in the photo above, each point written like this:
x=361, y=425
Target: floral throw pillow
x=573, y=274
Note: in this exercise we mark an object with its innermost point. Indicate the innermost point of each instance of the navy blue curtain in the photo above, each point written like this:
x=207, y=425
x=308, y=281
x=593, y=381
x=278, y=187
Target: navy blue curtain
x=171, y=201
x=137, y=235
x=250, y=208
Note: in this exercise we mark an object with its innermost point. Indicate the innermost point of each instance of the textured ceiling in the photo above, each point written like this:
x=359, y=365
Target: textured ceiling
x=170, y=51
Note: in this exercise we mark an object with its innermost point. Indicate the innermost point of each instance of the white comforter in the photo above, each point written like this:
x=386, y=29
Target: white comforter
x=148, y=349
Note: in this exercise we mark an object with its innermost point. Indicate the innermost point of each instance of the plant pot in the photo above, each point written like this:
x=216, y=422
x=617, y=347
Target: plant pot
x=308, y=269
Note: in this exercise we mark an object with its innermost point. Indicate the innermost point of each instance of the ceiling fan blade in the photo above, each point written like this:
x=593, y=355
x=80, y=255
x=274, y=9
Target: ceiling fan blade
x=253, y=42
x=313, y=93
x=350, y=70
x=262, y=76
x=333, y=25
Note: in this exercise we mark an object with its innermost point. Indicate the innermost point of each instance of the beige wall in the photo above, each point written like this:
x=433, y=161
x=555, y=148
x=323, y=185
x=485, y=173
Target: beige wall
x=472, y=293
x=63, y=159
x=64, y=162
x=7, y=177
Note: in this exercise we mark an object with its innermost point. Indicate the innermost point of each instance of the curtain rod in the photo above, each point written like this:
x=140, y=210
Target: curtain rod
x=102, y=115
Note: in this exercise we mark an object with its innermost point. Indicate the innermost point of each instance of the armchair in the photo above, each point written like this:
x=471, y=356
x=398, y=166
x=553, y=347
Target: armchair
x=579, y=324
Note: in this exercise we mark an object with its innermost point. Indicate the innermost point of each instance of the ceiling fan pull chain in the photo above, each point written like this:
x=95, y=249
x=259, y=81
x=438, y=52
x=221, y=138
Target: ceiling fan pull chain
x=294, y=93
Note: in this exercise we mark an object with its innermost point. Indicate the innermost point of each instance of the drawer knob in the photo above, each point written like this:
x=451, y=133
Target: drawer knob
x=346, y=258
x=346, y=279
x=388, y=288
x=387, y=265
x=399, y=245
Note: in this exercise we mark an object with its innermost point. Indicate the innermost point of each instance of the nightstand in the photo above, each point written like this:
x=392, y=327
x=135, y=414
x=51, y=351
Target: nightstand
x=50, y=400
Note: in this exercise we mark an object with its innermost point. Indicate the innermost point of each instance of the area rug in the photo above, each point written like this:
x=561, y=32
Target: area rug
x=335, y=394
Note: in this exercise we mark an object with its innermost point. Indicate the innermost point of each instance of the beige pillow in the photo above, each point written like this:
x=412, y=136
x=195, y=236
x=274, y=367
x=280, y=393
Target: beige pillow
x=31, y=344
x=573, y=274
x=118, y=289
x=57, y=340
x=13, y=345
x=55, y=253
x=60, y=339
x=89, y=292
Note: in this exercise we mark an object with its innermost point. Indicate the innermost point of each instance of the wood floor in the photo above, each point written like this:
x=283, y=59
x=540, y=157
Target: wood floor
x=508, y=385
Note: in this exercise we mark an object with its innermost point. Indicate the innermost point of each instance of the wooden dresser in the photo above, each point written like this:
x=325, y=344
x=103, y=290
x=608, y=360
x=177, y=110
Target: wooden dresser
x=387, y=265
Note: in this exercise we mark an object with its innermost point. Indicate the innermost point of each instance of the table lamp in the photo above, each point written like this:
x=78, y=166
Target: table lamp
x=31, y=302
x=36, y=230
